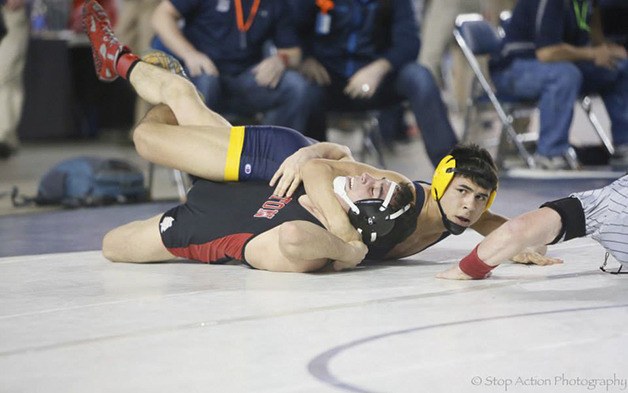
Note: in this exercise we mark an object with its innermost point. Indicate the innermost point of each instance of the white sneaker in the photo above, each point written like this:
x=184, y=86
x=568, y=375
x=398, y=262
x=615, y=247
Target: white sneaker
x=555, y=163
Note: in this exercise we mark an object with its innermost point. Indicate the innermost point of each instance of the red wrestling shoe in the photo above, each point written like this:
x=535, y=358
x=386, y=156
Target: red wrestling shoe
x=106, y=49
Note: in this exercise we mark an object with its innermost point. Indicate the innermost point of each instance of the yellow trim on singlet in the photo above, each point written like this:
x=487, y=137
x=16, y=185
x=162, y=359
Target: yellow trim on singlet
x=232, y=164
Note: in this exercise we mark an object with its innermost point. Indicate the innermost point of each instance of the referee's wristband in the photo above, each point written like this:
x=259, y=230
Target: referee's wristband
x=473, y=266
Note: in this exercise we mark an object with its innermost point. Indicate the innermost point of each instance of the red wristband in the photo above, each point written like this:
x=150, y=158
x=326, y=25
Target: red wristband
x=473, y=266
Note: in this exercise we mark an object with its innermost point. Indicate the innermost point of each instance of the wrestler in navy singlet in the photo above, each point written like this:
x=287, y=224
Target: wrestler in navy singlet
x=265, y=148
x=218, y=219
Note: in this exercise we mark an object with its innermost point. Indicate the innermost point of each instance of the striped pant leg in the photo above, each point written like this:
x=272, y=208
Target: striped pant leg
x=606, y=216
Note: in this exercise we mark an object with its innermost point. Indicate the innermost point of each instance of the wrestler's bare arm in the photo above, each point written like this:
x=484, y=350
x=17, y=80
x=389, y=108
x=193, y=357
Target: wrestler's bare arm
x=301, y=246
x=288, y=177
x=349, y=168
x=488, y=222
x=531, y=229
x=318, y=176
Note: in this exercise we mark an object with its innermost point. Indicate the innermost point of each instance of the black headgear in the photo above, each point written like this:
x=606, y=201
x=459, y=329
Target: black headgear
x=373, y=218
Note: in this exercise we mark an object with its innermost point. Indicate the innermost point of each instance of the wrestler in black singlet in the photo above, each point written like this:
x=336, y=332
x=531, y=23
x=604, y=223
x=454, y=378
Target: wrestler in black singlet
x=218, y=219
x=377, y=253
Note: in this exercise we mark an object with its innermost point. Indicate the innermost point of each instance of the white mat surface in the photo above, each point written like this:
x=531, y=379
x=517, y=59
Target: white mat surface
x=77, y=323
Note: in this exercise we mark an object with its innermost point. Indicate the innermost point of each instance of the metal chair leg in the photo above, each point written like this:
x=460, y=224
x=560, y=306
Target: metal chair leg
x=509, y=130
x=375, y=141
x=151, y=175
x=181, y=184
x=572, y=159
x=585, y=102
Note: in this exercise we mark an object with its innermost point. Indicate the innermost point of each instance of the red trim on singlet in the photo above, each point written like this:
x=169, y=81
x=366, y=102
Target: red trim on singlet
x=231, y=246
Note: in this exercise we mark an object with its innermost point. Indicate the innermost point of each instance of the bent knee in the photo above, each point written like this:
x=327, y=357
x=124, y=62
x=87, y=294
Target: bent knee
x=291, y=239
x=111, y=247
x=566, y=74
x=140, y=138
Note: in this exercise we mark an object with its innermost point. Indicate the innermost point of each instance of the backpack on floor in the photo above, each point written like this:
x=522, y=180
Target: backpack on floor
x=88, y=181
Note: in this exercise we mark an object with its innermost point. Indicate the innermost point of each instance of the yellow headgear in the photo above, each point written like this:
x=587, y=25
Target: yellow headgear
x=444, y=174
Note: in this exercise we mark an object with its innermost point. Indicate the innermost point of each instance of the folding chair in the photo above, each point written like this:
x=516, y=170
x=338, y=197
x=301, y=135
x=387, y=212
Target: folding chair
x=476, y=37
x=585, y=100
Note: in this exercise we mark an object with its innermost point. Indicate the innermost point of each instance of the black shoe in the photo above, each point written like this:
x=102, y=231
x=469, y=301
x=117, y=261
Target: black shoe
x=6, y=151
x=620, y=158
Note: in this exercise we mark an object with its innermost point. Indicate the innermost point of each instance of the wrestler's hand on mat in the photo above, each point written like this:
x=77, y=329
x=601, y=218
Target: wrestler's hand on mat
x=535, y=256
x=357, y=254
x=269, y=71
x=315, y=71
x=454, y=273
x=198, y=63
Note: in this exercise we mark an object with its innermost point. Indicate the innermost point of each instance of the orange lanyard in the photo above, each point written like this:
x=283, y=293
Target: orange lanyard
x=325, y=5
x=244, y=27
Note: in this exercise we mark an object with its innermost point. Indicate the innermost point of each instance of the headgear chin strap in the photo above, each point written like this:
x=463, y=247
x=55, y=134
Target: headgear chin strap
x=451, y=226
x=443, y=175
x=373, y=218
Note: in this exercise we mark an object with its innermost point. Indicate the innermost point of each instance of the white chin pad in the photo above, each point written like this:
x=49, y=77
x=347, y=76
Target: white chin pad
x=340, y=184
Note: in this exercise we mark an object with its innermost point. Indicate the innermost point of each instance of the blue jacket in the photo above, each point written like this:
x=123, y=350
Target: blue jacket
x=210, y=26
x=361, y=31
x=539, y=23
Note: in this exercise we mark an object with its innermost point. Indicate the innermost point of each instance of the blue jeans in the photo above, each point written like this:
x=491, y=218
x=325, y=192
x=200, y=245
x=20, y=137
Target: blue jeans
x=412, y=83
x=556, y=86
x=286, y=105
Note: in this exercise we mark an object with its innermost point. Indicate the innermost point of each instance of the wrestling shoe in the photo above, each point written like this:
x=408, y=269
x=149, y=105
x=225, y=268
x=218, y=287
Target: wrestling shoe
x=106, y=49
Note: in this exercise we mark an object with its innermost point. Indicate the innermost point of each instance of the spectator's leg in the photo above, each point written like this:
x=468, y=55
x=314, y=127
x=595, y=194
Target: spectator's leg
x=416, y=84
x=126, y=28
x=293, y=105
x=391, y=123
x=316, y=125
x=612, y=85
x=286, y=105
x=209, y=87
x=556, y=85
x=436, y=33
x=134, y=28
x=12, y=59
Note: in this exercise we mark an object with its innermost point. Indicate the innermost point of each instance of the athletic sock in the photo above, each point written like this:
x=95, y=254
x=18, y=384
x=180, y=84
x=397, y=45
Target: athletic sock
x=126, y=63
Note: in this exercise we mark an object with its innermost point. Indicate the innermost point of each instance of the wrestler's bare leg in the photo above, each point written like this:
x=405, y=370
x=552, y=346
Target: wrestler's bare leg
x=197, y=150
x=159, y=86
x=189, y=150
x=137, y=241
